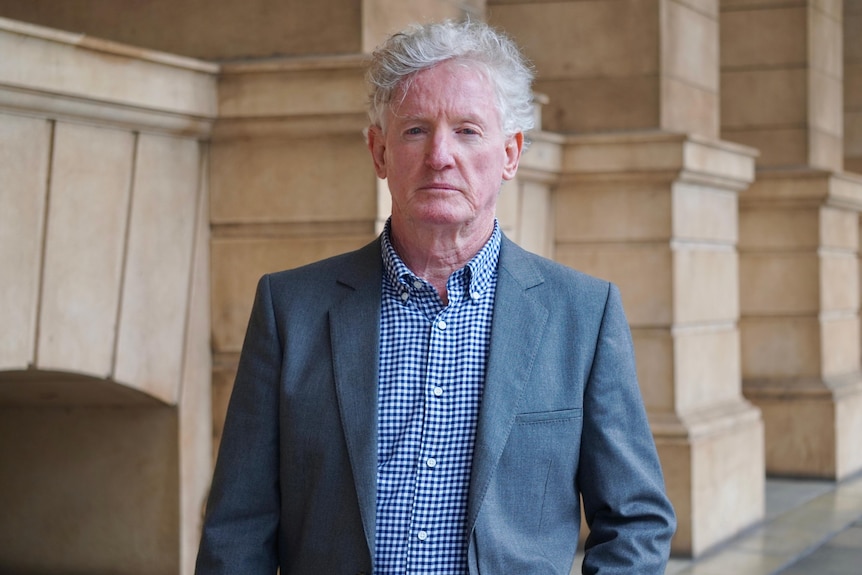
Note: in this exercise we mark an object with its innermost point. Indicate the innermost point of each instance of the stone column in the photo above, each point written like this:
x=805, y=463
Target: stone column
x=853, y=86
x=104, y=355
x=782, y=85
x=291, y=182
x=648, y=199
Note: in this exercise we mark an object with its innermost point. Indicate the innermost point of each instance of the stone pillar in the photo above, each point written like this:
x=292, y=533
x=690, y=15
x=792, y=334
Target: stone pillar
x=657, y=214
x=291, y=182
x=853, y=86
x=104, y=362
x=782, y=85
x=648, y=199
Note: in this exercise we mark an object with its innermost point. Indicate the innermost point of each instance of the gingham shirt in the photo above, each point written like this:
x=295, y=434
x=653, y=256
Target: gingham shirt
x=432, y=371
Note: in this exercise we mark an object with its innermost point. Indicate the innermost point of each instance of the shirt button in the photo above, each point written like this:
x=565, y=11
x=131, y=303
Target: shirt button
x=405, y=296
x=422, y=535
x=438, y=391
x=431, y=462
x=441, y=325
x=417, y=284
x=475, y=295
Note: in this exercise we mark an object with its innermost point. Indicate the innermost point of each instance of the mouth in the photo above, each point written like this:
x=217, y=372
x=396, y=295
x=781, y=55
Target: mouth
x=439, y=186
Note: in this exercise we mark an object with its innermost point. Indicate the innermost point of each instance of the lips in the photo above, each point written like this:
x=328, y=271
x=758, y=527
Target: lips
x=440, y=186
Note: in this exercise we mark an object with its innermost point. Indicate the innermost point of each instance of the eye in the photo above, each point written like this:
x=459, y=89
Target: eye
x=469, y=131
x=415, y=131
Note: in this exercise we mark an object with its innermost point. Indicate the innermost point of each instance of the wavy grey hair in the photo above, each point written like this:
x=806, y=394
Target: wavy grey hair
x=395, y=62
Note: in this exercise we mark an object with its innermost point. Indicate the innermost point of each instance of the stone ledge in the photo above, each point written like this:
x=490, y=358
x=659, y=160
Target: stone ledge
x=805, y=186
x=78, y=78
x=663, y=155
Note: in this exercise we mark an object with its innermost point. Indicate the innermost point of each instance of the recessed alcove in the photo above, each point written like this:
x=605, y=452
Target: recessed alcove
x=90, y=477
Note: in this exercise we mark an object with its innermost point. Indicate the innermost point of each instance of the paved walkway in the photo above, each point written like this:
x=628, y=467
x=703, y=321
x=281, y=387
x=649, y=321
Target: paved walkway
x=811, y=528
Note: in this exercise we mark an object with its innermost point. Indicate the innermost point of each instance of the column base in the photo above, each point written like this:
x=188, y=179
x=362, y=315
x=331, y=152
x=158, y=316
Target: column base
x=713, y=465
x=812, y=426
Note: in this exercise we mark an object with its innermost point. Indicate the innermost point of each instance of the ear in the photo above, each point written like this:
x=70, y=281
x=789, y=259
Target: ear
x=377, y=147
x=514, y=147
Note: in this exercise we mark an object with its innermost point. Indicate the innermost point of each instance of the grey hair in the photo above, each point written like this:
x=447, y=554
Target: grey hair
x=395, y=62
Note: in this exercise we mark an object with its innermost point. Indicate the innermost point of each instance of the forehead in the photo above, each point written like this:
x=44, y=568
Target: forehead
x=454, y=87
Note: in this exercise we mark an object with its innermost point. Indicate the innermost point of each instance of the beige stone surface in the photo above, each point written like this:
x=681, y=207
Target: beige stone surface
x=64, y=63
x=508, y=208
x=706, y=367
x=87, y=222
x=689, y=46
x=780, y=347
x=770, y=98
x=853, y=138
x=705, y=284
x=763, y=35
x=651, y=157
x=825, y=38
x=224, y=373
x=24, y=151
x=380, y=18
x=238, y=28
x=601, y=104
x=237, y=265
x=776, y=147
x=826, y=103
x=610, y=39
x=715, y=481
x=839, y=281
x=839, y=228
x=536, y=223
x=292, y=86
x=800, y=436
x=289, y=180
x=98, y=485
x=705, y=213
x=597, y=212
x=643, y=272
x=826, y=151
x=155, y=298
x=762, y=227
x=689, y=109
x=840, y=344
x=654, y=350
x=779, y=283
x=848, y=430
x=728, y=494
x=195, y=399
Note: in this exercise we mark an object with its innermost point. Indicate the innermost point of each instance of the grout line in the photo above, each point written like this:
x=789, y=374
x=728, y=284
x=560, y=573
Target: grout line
x=40, y=288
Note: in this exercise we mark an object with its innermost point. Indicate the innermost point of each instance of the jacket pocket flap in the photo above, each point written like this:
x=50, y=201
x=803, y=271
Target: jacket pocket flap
x=546, y=416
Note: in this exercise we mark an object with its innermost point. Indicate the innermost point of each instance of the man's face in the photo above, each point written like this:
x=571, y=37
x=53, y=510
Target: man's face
x=443, y=150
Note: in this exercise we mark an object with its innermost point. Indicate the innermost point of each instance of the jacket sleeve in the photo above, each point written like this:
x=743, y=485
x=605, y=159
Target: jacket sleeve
x=241, y=525
x=630, y=518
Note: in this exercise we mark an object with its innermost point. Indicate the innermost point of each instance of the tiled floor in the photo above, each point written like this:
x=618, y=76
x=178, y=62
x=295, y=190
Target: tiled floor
x=811, y=528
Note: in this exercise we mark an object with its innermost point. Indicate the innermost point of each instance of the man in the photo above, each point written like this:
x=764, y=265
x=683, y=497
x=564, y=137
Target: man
x=438, y=401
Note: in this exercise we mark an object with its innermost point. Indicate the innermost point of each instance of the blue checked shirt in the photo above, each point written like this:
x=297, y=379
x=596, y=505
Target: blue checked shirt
x=432, y=371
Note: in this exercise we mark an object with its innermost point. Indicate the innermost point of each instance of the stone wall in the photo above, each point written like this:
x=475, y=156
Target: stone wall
x=104, y=233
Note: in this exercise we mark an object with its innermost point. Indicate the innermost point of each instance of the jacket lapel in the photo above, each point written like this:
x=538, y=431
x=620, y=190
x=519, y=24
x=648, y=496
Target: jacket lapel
x=516, y=331
x=354, y=325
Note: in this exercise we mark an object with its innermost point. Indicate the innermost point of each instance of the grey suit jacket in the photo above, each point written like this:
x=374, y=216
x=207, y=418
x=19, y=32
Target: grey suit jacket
x=561, y=417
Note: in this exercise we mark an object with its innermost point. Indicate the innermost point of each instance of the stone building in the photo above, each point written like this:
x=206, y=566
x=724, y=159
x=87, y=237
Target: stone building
x=157, y=157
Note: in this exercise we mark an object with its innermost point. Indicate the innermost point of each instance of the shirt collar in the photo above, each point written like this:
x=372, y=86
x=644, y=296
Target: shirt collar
x=477, y=275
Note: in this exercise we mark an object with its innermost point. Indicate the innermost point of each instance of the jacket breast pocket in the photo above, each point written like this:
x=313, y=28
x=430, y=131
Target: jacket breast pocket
x=549, y=416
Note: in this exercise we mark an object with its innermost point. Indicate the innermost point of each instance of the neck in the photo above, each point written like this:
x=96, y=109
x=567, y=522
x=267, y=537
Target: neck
x=434, y=254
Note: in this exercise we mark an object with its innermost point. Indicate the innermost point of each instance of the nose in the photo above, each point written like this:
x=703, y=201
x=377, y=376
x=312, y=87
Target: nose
x=438, y=156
